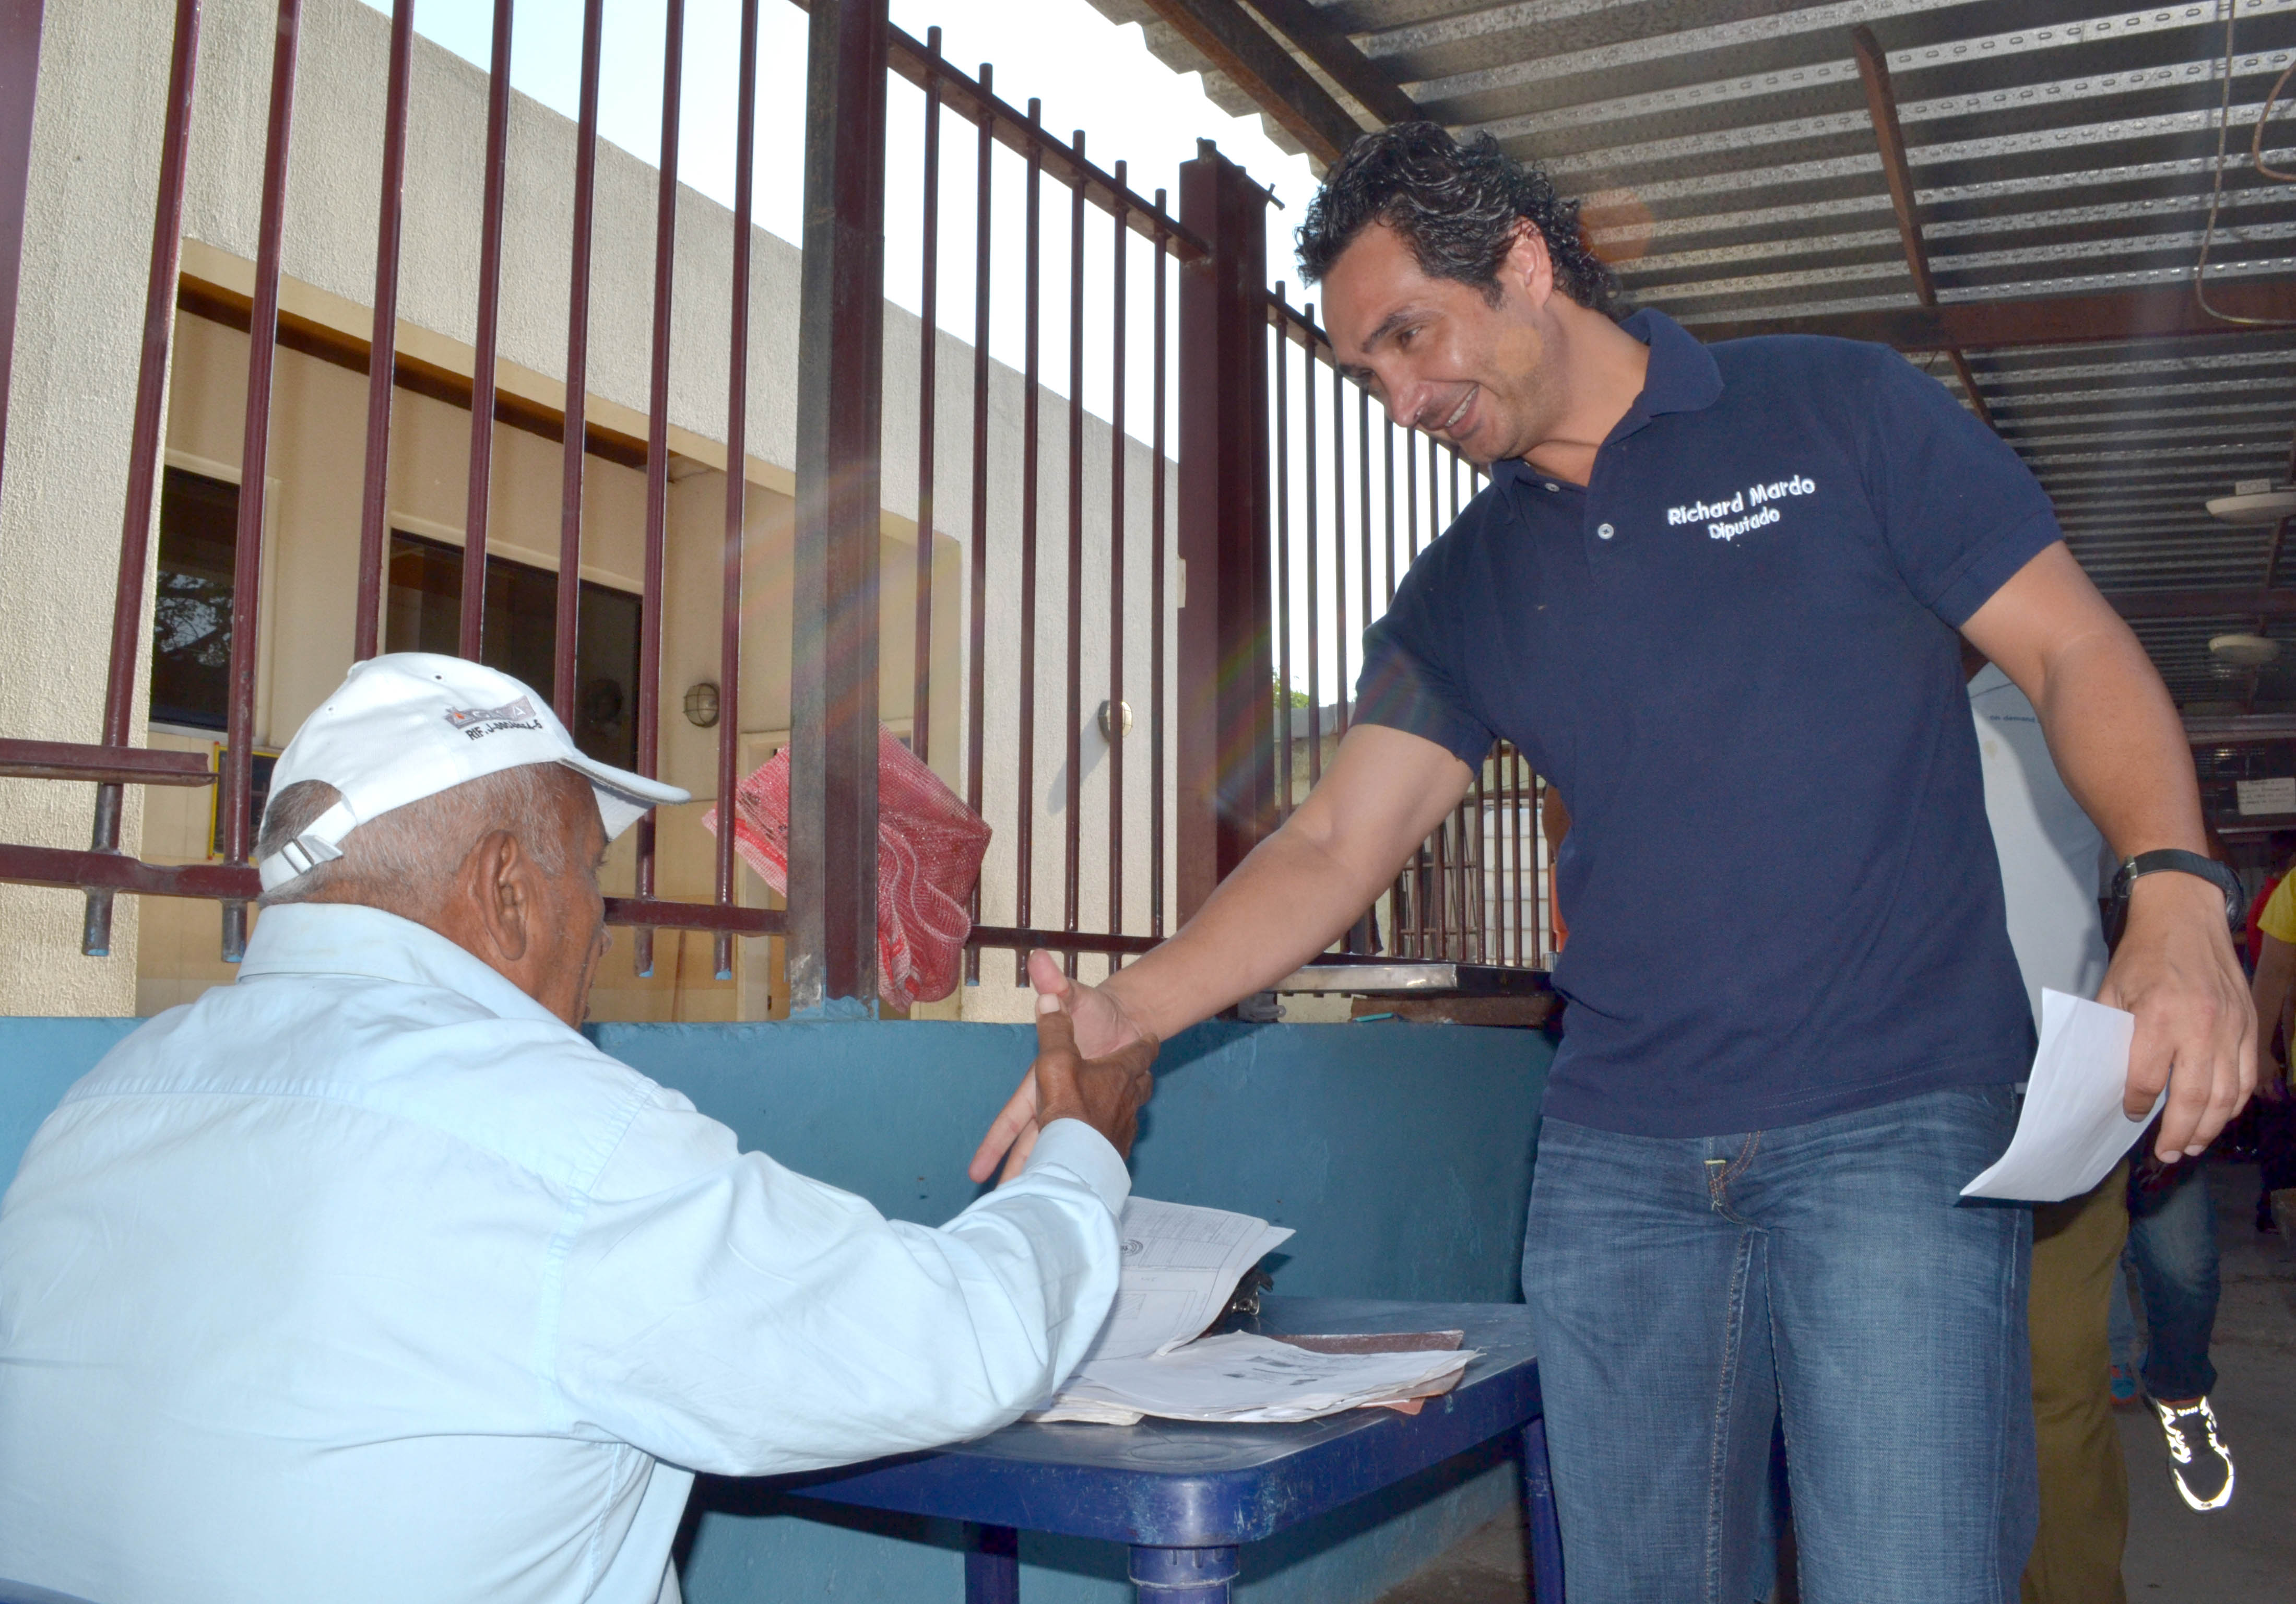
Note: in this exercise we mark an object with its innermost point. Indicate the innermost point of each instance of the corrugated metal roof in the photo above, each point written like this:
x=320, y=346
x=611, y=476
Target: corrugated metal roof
x=1730, y=169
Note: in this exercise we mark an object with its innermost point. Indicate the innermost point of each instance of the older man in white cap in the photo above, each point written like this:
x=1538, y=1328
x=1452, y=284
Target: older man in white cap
x=369, y=1277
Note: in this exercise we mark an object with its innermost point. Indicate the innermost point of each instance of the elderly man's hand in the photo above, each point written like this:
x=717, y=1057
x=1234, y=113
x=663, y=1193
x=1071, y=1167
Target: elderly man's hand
x=1100, y=1027
x=1105, y=1093
x=2195, y=1026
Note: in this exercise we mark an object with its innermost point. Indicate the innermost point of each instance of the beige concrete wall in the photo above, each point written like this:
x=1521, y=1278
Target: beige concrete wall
x=103, y=76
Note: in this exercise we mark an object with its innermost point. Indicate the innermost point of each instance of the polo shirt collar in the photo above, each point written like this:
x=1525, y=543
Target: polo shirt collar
x=349, y=939
x=1682, y=377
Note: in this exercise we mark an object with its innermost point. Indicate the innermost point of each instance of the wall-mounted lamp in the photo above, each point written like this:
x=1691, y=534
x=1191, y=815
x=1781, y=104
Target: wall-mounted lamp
x=701, y=703
x=1115, y=722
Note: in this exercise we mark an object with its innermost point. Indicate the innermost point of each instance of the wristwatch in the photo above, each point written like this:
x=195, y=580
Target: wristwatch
x=2184, y=863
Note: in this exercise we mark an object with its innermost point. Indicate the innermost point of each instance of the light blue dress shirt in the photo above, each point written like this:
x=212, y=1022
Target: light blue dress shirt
x=365, y=1279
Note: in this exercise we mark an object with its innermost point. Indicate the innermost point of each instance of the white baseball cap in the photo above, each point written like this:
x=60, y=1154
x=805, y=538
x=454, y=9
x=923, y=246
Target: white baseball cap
x=409, y=725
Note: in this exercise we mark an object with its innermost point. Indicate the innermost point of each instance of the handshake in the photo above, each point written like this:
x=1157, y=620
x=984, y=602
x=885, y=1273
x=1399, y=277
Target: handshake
x=1105, y=1090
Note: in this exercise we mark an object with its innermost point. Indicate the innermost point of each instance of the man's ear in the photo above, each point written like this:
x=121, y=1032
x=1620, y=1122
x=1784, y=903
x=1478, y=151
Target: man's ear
x=1529, y=269
x=497, y=877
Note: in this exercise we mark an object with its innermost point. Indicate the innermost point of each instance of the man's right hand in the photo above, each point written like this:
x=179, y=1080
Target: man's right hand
x=1100, y=1026
x=1104, y=1091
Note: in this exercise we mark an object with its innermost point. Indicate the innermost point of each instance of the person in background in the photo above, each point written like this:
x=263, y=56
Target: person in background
x=369, y=1279
x=2054, y=869
x=2274, y=959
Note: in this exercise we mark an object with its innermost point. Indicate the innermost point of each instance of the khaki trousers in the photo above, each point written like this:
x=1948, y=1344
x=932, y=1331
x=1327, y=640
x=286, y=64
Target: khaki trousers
x=2076, y=1556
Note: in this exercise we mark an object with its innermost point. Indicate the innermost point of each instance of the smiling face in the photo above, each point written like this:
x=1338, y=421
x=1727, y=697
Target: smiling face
x=1441, y=355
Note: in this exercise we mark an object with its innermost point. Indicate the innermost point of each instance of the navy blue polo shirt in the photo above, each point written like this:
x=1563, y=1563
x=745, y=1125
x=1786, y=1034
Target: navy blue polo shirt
x=1734, y=653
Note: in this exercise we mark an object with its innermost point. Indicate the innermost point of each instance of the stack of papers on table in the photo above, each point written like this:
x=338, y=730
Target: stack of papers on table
x=1180, y=1265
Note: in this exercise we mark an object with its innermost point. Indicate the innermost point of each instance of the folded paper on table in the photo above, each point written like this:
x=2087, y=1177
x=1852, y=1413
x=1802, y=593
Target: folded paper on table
x=1181, y=1264
x=2072, y=1130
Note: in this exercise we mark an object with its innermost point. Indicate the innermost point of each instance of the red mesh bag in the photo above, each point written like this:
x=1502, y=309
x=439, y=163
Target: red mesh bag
x=929, y=850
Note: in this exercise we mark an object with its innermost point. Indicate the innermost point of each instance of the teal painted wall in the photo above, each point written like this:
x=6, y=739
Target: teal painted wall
x=1401, y=1155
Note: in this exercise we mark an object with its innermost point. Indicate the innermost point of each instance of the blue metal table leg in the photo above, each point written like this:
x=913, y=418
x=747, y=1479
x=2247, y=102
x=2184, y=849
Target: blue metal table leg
x=1183, y=1575
x=992, y=1565
x=1546, y=1529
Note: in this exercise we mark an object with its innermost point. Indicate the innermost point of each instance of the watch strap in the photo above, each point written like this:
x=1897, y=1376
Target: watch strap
x=2176, y=860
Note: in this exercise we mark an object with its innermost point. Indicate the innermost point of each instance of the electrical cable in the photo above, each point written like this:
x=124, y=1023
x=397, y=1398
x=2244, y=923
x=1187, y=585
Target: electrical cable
x=2216, y=186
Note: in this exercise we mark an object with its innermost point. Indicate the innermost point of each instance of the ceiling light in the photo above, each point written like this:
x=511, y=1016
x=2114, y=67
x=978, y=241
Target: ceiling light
x=2243, y=651
x=2255, y=501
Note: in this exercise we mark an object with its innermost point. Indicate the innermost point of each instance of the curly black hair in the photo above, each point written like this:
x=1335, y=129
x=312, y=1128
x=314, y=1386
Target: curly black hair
x=1457, y=206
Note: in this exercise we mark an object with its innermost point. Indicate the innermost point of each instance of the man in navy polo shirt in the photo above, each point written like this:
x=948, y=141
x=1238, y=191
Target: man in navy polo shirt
x=1714, y=594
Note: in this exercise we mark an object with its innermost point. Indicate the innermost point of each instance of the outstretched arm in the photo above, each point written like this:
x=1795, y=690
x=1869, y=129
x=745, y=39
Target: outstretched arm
x=1299, y=889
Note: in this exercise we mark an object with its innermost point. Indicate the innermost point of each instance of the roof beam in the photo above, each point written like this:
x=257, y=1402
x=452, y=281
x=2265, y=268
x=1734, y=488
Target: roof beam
x=2162, y=313
x=1881, y=106
x=1330, y=49
x=2205, y=603
x=1255, y=62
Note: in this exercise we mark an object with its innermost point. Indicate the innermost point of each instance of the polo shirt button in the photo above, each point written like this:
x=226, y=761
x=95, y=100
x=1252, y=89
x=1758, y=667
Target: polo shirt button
x=1553, y=486
x=1605, y=531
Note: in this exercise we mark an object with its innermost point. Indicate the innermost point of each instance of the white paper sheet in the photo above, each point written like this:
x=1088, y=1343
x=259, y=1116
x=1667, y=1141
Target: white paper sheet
x=1242, y=1377
x=2072, y=1130
x=1180, y=1265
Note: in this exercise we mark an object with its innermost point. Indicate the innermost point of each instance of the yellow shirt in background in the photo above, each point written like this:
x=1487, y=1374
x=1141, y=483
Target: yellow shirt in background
x=2278, y=919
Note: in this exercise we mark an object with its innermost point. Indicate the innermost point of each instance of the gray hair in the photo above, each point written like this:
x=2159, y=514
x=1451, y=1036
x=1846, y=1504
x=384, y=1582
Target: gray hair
x=405, y=861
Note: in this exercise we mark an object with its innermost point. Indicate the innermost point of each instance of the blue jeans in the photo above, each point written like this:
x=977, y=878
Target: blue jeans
x=1686, y=1294
x=2172, y=1244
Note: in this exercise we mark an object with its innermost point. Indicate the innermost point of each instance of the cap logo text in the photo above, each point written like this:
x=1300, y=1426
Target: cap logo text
x=477, y=722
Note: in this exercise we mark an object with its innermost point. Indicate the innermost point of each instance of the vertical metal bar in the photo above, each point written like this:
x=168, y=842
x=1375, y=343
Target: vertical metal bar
x=1307, y=549
x=1518, y=780
x=927, y=410
x=19, y=82
x=121, y=680
x=482, y=371
x=1477, y=867
x=254, y=460
x=1156, y=557
x=737, y=483
x=1339, y=547
x=1387, y=481
x=977, y=644
x=1118, y=450
x=1024, y=844
x=1411, y=492
x=1283, y=470
x=1072, y=861
x=1362, y=497
x=833, y=701
x=1226, y=725
x=382, y=347
x=565, y=653
x=657, y=506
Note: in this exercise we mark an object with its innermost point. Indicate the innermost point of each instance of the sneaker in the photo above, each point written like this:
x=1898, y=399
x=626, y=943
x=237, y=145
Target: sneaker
x=2199, y=1462
x=2123, y=1383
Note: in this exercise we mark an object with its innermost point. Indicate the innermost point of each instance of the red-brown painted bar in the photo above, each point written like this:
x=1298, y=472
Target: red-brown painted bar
x=737, y=479
x=1386, y=480
x=1156, y=554
x=1308, y=550
x=1073, y=743
x=482, y=367
x=656, y=502
x=1024, y=940
x=122, y=679
x=1226, y=785
x=834, y=658
x=976, y=668
x=1283, y=474
x=1023, y=833
x=1363, y=522
x=646, y=913
x=19, y=82
x=1339, y=686
x=1116, y=451
x=928, y=411
x=107, y=765
x=383, y=345
x=565, y=654
x=255, y=457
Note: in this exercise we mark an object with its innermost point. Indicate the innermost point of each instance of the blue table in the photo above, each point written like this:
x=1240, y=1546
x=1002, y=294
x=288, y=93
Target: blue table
x=1186, y=1498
